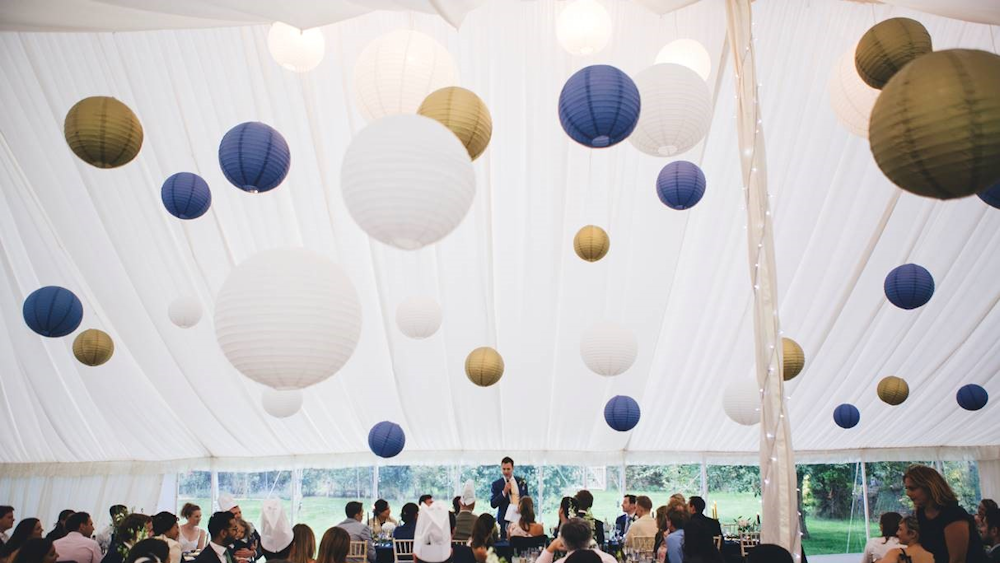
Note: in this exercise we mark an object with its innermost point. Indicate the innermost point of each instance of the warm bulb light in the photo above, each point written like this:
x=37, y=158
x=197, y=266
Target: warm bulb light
x=689, y=53
x=295, y=49
x=584, y=27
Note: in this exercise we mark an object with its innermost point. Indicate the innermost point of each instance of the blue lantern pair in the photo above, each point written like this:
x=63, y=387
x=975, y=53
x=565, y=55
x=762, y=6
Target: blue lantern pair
x=599, y=106
x=386, y=439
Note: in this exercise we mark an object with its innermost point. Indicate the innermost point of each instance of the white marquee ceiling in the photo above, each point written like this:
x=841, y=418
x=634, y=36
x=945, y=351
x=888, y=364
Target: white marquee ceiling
x=507, y=277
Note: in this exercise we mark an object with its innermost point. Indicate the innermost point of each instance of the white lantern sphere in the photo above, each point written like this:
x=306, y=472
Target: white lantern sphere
x=396, y=71
x=584, y=27
x=676, y=110
x=296, y=49
x=288, y=318
x=185, y=311
x=852, y=100
x=281, y=404
x=407, y=181
x=689, y=53
x=741, y=401
x=418, y=317
x=608, y=348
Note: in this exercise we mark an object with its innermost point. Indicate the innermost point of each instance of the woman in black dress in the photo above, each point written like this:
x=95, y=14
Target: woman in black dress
x=946, y=529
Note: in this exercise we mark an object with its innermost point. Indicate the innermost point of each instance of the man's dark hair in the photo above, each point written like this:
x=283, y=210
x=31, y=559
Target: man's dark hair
x=575, y=534
x=409, y=513
x=678, y=518
x=423, y=498
x=698, y=503
x=769, y=553
x=584, y=500
x=76, y=520
x=507, y=460
x=116, y=510
x=992, y=518
x=163, y=521
x=583, y=556
x=151, y=548
x=631, y=498
x=645, y=502
x=5, y=510
x=353, y=508
x=219, y=522
x=452, y=520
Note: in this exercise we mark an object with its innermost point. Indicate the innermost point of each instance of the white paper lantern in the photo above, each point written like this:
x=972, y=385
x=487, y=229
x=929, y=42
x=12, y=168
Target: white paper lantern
x=676, y=110
x=296, y=49
x=185, y=311
x=583, y=27
x=741, y=401
x=407, y=181
x=396, y=71
x=281, y=404
x=418, y=317
x=852, y=100
x=288, y=318
x=689, y=53
x=608, y=348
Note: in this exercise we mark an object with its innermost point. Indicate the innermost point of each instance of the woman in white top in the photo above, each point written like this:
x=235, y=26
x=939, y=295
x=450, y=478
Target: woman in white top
x=526, y=526
x=191, y=537
x=876, y=548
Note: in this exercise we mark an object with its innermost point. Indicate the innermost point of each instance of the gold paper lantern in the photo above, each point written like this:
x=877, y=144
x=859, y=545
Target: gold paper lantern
x=93, y=347
x=464, y=113
x=484, y=366
x=889, y=46
x=591, y=243
x=794, y=359
x=893, y=390
x=935, y=128
x=103, y=132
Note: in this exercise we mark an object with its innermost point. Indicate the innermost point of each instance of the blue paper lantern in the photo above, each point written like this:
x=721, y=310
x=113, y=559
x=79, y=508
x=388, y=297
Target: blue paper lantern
x=846, y=415
x=254, y=157
x=621, y=413
x=991, y=195
x=386, y=439
x=599, y=106
x=909, y=286
x=186, y=195
x=52, y=311
x=680, y=185
x=972, y=397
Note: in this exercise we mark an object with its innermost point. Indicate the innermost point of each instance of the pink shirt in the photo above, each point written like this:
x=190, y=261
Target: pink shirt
x=75, y=547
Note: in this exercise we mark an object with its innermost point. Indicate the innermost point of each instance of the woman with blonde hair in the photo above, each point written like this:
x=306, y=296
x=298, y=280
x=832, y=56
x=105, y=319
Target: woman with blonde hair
x=334, y=546
x=911, y=551
x=677, y=502
x=526, y=526
x=945, y=528
x=303, y=544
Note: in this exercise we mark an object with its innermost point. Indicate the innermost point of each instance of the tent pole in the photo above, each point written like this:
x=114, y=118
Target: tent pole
x=864, y=489
x=296, y=494
x=704, y=479
x=374, y=483
x=215, y=490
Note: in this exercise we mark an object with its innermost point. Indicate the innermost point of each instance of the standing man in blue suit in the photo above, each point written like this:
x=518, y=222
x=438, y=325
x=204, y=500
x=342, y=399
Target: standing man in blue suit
x=507, y=491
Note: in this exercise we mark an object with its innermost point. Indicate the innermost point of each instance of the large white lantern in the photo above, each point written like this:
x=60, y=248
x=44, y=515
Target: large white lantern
x=689, y=53
x=281, y=404
x=583, y=27
x=676, y=110
x=852, y=100
x=741, y=401
x=296, y=49
x=608, y=348
x=185, y=311
x=418, y=317
x=288, y=318
x=407, y=181
x=396, y=71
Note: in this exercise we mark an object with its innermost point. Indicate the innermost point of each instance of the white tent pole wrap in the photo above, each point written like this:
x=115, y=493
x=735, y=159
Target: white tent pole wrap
x=779, y=524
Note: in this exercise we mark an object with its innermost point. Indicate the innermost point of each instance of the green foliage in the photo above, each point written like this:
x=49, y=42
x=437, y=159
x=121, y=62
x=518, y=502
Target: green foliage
x=734, y=479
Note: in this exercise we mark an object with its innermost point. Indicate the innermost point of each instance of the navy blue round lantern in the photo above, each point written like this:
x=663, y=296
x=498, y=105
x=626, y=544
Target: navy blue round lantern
x=846, y=415
x=599, y=106
x=909, y=286
x=621, y=413
x=186, y=195
x=991, y=195
x=972, y=397
x=386, y=439
x=254, y=157
x=680, y=185
x=52, y=311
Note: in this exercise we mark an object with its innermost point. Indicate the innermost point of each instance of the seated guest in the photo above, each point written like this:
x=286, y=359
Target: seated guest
x=980, y=515
x=625, y=520
x=165, y=528
x=59, y=529
x=358, y=531
x=644, y=525
x=432, y=539
x=107, y=536
x=567, y=510
x=222, y=531
x=37, y=550
x=465, y=519
x=696, y=507
x=334, y=546
x=409, y=516
x=6, y=522
x=699, y=543
x=303, y=545
x=380, y=516
x=991, y=523
x=675, y=535
x=426, y=500
x=676, y=502
x=574, y=536
x=876, y=548
x=584, y=502
x=25, y=530
x=770, y=553
x=130, y=529
x=277, y=534
x=662, y=529
x=77, y=545
x=243, y=546
x=149, y=548
x=910, y=549
x=250, y=535
x=191, y=537
x=482, y=538
x=456, y=504
x=526, y=526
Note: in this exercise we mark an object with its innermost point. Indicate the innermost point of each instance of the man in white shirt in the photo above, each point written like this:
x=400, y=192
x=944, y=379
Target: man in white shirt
x=222, y=528
x=6, y=522
x=165, y=528
x=574, y=535
x=77, y=545
x=644, y=525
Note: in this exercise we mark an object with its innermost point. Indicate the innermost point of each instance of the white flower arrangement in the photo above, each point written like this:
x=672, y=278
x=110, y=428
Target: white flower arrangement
x=388, y=528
